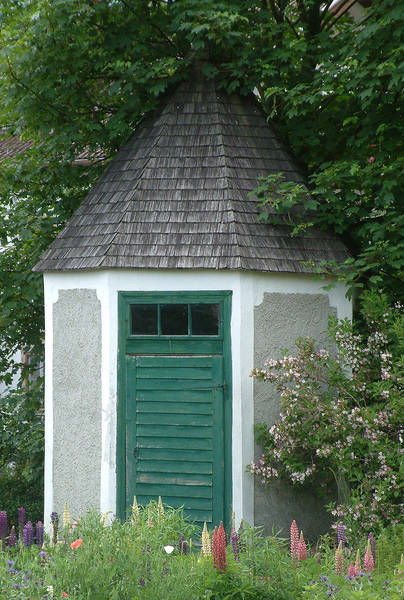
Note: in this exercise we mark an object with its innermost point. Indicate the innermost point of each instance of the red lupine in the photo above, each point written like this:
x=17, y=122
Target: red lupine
x=219, y=549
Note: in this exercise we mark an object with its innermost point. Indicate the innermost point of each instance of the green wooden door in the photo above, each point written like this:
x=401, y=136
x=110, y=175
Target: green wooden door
x=174, y=402
x=175, y=433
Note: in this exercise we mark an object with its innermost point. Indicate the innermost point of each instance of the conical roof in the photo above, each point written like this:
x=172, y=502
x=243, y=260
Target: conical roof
x=177, y=195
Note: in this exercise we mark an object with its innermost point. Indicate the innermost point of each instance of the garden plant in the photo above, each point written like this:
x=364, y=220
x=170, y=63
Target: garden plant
x=340, y=430
x=157, y=554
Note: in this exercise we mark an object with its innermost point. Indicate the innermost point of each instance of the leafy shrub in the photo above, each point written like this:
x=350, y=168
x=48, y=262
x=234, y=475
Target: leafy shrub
x=341, y=418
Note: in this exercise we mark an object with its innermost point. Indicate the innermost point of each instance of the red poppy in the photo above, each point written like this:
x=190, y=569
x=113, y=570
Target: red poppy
x=76, y=544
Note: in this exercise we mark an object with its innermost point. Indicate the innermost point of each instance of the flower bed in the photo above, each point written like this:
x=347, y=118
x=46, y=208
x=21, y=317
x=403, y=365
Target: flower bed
x=159, y=555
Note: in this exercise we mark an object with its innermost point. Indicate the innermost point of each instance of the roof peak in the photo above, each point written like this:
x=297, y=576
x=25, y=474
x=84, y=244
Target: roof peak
x=177, y=195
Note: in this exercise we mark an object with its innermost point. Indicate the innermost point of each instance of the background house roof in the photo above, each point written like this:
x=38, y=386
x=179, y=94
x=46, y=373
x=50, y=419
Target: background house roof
x=177, y=195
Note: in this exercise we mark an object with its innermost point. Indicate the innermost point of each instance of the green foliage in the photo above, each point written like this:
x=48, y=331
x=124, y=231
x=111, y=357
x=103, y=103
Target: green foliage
x=21, y=454
x=141, y=560
x=341, y=418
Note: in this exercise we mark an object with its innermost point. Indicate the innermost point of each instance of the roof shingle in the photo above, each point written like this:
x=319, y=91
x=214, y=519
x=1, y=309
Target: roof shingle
x=176, y=196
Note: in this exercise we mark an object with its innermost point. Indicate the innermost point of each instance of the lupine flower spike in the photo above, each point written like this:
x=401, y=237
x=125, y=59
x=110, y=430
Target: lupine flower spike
x=339, y=560
x=372, y=545
x=301, y=548
x=400, y=570
x=351, y=570
x=358, y=566
x=12, y=538
x=160, y=507
x=39, y=533
x=135, y=511
x=105, y=518
x=219, y=549
x=149, y=520
x=66, y=517
x=206, y=543
x=234, y=538
x=22, y=517
x=341, y=534
x=214, y=548
x=54, y=527
x=294, y=539
x=368, y=561
x=3, y=529
x=28, y=534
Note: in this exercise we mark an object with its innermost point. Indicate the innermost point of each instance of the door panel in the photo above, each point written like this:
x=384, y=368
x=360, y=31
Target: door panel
x=175, y=433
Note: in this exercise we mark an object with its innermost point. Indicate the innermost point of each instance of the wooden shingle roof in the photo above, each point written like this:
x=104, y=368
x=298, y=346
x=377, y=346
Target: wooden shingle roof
x=176, y=195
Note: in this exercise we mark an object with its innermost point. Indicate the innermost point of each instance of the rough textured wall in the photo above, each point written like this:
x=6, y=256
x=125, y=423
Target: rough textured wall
x=76, y=400
x=278, y=321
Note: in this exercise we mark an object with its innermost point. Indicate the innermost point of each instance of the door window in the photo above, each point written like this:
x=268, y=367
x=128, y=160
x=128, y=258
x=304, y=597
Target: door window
x=190, y=319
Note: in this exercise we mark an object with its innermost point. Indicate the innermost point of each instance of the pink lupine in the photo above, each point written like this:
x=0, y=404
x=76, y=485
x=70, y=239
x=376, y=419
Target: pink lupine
x=368, y=561
x=294, y=539
x=352, y=570
x=301, y=548
x=339, y=559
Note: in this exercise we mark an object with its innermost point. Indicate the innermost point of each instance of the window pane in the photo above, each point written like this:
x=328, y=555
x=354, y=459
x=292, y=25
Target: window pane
x=205, y=319
x=174, y=319
x=143, y=319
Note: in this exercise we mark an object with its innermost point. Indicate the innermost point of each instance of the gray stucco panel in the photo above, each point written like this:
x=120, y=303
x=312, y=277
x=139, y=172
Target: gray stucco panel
x=76, y=400
x=278, y=321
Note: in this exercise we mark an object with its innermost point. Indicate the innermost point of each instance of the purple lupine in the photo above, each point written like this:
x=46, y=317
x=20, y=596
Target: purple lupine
x=22, y=518
x=182, y=545
x=12, y=538
x=234, y=538
x=341, y=534
x=3, y=529
x=372, y=545
x=28, y=534
x=241, y=544
x=39, y=533
x=55, y=522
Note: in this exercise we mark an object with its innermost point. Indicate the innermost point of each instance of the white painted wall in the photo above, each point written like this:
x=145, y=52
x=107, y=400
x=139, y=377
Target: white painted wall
x=248, y=290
